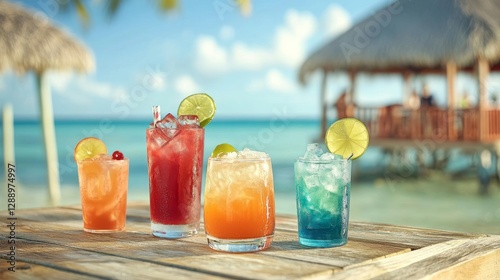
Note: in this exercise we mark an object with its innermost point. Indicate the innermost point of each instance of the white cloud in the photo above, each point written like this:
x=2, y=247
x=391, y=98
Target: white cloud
x=155, y=81
x=276, y=81
x=211, y=58
x=290, y=40
x=288, y=48
x=101, y=90
x=247, y=58
x=82, y=89
x=336, y=20
x=226, y=32
x=186, y=85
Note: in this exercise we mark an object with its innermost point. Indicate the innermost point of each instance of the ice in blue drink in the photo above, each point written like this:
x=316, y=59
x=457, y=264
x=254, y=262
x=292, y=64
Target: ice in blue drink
x=323, y=184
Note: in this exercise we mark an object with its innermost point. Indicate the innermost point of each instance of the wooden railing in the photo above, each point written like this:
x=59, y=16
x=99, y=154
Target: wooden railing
x=396, y=122
x=493, y=128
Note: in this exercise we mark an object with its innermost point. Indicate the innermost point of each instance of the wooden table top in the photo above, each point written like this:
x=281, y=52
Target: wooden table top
x=50, y=244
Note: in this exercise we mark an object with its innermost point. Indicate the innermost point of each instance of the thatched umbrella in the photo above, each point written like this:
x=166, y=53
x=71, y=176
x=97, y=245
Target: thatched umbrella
x=409, y=36
x=29, y=42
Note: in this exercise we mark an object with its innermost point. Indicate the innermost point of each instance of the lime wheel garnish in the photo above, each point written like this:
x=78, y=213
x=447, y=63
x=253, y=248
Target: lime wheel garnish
x=199, y=104
x=347, y=137
x=223, y=149
x=88, y=148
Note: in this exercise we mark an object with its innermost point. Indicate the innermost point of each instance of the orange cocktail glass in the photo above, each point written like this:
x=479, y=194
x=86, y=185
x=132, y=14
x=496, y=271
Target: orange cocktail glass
x=103, y=190
x=239, y=202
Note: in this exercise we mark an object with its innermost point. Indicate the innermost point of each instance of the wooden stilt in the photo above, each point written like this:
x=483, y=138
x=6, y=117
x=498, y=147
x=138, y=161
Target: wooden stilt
x=351, y=94
x=483, y=70
x=451, y=75
x=407, y=88
x=323, y=104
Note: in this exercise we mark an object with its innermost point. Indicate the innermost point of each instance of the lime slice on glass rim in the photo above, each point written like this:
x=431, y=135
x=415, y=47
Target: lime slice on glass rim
x=88, y=148
x=199, y=104
x=347, y=137
x=223, y=149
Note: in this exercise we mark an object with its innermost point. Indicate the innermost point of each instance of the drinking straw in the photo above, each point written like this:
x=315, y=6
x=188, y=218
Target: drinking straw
x=156, y=115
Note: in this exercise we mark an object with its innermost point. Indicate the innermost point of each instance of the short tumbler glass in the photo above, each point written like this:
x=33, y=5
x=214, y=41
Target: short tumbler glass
x=103, y=190
x=239, y=204
x=322, y=192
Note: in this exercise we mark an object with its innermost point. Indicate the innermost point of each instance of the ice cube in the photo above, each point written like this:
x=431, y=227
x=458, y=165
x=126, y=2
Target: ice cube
x=166, y=129
x=332, y=187
x=169, y=121
x=95, y=182
x=102, y=157
x=230, y=155
x=106, y=207
x=189, y=121
x=171, y=133
x=159, y=136
x=312, y=168
x=313, y=152
x=311, y=181
x=247, y=153
x=327, y=157
x=330, y=203
x=337, y=171
x=327, y=177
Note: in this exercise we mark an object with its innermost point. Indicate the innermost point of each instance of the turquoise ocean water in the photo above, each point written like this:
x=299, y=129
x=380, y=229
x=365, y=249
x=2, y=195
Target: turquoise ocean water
x=435, y=201
x=283, y=140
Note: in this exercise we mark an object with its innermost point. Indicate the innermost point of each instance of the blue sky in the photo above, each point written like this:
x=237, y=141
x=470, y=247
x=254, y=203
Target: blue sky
x=248, y=64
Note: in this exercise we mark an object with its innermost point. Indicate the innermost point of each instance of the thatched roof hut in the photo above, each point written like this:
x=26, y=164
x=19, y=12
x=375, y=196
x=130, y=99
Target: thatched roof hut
x=29, y=42
x=414, y=35
x=423, y=36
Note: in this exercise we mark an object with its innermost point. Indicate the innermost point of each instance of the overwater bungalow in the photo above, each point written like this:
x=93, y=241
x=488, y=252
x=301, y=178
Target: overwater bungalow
x=412, y=39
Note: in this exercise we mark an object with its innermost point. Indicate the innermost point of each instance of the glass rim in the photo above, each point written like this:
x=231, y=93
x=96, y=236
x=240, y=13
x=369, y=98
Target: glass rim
x=322, y=161
x=183, y=128
x=267, y=157
x=104, y=160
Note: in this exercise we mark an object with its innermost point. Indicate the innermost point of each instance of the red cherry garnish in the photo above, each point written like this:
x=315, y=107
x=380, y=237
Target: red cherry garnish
x=117, y=155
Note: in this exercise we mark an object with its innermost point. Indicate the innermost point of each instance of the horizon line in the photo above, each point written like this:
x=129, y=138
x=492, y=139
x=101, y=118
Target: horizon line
x=228, y=119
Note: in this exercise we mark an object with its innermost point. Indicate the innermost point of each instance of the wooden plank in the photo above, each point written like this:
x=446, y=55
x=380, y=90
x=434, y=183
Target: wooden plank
x=66, y=260
x=285, y=254
x=254, y=266
x=482, y=267
x=388, y=234
x=191, y=254
x=138, y=220
x=447, y=258
x=408, y=236
x=58, y=244
x=28, y=271
x=285, y=243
